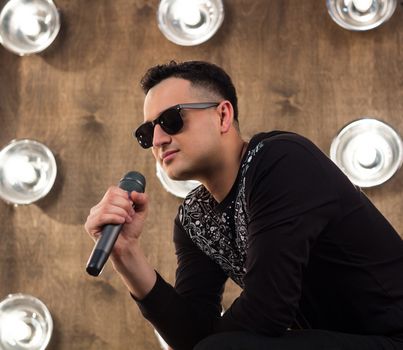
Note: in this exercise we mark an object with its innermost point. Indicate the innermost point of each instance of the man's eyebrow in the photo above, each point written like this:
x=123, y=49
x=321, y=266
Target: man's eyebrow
x=145, y=120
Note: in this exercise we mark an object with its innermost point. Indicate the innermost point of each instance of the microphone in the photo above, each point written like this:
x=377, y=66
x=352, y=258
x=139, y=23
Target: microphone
x=132, y=181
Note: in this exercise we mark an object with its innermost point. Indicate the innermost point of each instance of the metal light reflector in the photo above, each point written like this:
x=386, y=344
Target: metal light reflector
x=25, y=323
x=190, y=22
x=177, y=188
x=368, y=151
x=27, y=171
x=360, y=14
x=28, y=26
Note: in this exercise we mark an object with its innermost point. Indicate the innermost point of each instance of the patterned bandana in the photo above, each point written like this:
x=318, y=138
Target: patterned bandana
x=221, y=233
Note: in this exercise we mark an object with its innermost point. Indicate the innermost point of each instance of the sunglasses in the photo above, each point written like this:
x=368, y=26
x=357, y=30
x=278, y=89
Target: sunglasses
x=170, y=120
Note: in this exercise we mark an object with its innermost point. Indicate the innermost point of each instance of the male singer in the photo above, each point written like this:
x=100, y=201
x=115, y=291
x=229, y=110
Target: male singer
x=318, y=264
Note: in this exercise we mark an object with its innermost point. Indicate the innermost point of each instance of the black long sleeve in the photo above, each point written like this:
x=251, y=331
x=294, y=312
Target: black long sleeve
x=187, y=313
x=304, y=240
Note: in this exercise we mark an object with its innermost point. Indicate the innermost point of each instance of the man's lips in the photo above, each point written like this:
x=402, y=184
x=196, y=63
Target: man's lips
x=168, y=154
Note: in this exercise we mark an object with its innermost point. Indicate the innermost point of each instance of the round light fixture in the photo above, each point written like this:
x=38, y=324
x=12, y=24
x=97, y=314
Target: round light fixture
x=177, y=188
x=25, y=323
x=28, y=26
x=190, y=22
x=27, y=171
x=360, y=15
x=368, y=151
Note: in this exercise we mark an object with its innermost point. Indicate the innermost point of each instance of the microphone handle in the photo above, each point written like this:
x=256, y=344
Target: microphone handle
x=103, y=248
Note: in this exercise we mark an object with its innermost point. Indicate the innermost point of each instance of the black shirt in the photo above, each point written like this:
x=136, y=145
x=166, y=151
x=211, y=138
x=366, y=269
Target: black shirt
x=306, y=246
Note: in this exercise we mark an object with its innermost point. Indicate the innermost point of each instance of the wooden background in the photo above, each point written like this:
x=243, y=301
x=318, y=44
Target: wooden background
x=295, y=69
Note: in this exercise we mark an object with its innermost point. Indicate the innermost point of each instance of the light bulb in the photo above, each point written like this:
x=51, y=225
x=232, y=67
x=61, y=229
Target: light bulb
x=14, y=328
x=18, y=169
x=188, y=12
x=362, y=5
x=27, y=21
x=367, y=156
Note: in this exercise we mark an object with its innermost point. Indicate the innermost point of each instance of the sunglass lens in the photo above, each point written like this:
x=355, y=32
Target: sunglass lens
x=171, y=121
x=144, y=135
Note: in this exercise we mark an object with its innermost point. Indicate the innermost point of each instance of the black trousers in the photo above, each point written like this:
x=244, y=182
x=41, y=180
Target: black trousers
x=299, y=340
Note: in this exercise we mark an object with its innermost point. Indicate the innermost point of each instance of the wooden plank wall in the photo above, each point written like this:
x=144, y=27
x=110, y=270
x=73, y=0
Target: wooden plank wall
x=295, y=69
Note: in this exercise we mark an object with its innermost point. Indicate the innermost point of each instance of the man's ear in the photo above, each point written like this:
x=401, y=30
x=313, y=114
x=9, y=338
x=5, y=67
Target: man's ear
x=226, y=116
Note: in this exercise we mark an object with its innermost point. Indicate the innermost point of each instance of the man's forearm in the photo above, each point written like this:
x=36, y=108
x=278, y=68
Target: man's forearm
x=135, y=271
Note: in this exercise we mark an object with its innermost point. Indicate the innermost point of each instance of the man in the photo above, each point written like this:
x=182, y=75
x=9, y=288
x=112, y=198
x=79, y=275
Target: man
x=319, y=266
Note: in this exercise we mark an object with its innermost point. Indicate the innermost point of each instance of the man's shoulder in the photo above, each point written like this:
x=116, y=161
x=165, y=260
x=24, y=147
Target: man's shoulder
x=276, y=136
x=280, y=142
x=279, y=153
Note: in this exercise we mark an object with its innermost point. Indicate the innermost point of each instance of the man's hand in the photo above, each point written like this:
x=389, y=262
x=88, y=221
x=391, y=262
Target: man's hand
x=116, y=207
x=119, y=207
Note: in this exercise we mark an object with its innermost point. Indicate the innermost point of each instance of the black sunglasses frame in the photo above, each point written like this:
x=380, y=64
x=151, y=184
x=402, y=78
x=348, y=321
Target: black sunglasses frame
x=145, y=132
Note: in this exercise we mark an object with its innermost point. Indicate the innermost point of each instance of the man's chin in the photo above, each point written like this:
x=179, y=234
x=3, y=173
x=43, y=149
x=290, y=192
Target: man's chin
x=177, y=175
x=178, y=178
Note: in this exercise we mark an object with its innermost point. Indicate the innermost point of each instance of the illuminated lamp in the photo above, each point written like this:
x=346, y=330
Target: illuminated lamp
x=190, y=22
x=27, y=171
x=368, y=151
x=360, y=15
x=28, y=26
x=25, y=323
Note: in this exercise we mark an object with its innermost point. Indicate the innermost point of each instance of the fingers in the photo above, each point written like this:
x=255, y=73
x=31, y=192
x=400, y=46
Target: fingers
x=116, y=207
x=115, y=196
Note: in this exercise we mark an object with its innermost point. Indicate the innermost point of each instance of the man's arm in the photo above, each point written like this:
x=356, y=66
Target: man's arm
x=186, y=313
x=182, y=315
x=128, y=259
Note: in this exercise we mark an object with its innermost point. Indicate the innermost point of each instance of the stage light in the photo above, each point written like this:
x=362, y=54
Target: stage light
x=368, y=151
x=25, y=323
x=177, y=188
x=360, y=15
x=27, y=171
x=190, y=22
x=28, y=26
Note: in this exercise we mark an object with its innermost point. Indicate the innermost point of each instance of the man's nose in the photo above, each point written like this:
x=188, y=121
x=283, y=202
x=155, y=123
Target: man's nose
x=160, y=137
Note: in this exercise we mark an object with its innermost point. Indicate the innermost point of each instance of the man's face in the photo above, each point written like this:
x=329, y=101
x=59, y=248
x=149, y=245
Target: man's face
x=191, y=152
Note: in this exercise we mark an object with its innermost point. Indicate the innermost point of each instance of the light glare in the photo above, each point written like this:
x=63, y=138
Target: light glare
x=367, y=156
x=19, y=169
x=188, y=12
x=27, y=21
x=14, y=328
x=362, y=5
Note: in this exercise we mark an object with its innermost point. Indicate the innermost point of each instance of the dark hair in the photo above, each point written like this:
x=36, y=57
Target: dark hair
x=199, y=73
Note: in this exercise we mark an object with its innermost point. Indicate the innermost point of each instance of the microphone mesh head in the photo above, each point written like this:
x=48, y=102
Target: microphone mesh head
x=133, y=181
